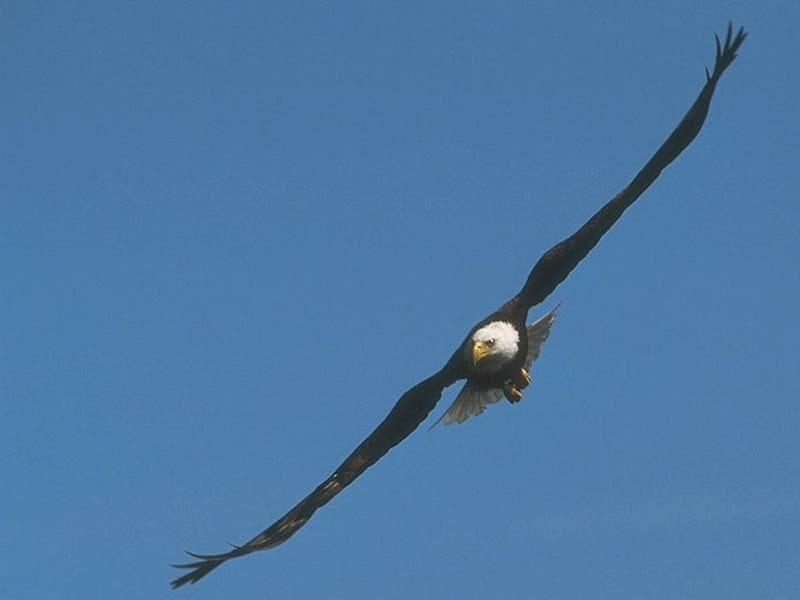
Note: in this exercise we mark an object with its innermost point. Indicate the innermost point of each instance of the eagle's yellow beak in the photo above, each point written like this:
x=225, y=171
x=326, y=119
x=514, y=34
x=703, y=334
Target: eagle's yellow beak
x=479, y=350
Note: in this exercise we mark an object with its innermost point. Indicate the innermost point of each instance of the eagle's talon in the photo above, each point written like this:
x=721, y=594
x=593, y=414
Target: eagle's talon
x=512, y=392
x=524, y=379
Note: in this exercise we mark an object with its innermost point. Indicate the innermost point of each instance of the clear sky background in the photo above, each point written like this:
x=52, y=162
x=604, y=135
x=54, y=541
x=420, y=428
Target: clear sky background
x=234, y=233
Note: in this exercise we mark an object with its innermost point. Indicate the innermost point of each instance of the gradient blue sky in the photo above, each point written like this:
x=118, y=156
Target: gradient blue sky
x=234, y=233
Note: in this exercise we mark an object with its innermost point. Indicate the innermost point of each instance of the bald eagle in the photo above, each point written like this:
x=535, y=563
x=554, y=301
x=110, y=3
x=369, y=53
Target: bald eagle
x=496, y=354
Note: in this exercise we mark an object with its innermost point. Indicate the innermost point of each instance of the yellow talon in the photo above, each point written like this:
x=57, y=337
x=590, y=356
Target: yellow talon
x=514, y=386
x=512, y=392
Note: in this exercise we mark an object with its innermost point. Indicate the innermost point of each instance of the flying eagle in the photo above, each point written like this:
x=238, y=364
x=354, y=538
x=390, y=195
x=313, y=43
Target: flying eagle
x=496, y=354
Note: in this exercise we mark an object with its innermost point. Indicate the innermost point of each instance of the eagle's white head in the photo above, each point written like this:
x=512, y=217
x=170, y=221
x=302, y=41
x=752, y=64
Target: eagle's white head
x=493, y=346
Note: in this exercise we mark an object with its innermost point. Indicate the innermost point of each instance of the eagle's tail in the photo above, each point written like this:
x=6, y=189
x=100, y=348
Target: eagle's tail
x=470, y=401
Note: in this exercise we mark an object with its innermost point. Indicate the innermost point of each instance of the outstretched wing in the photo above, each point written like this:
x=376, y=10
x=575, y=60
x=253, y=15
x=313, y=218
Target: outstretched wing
x=409, y=411
x=554, y=266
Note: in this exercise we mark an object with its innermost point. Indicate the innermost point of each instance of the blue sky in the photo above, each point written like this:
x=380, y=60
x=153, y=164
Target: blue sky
x=234, y=234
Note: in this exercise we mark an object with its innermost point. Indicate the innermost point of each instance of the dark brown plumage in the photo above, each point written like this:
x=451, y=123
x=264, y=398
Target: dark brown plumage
x=551, y=269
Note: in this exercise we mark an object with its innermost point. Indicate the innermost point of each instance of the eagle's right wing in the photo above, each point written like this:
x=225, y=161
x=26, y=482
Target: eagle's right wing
x=409, y=411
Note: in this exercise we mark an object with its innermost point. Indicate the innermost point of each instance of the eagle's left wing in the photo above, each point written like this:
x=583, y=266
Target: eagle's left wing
x=409, y=411
x=555, y=264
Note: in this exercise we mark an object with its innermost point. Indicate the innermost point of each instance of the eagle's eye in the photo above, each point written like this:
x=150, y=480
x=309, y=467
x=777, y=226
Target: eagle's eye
x=490, y=342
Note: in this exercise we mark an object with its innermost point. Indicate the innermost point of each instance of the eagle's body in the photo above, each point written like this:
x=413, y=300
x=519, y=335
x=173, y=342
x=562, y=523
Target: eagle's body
x=495, y=355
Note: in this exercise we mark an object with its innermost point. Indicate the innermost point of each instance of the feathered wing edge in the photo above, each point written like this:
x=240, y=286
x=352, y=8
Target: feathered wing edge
x=472, y=401
x=409, y=411
x=555, y=264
